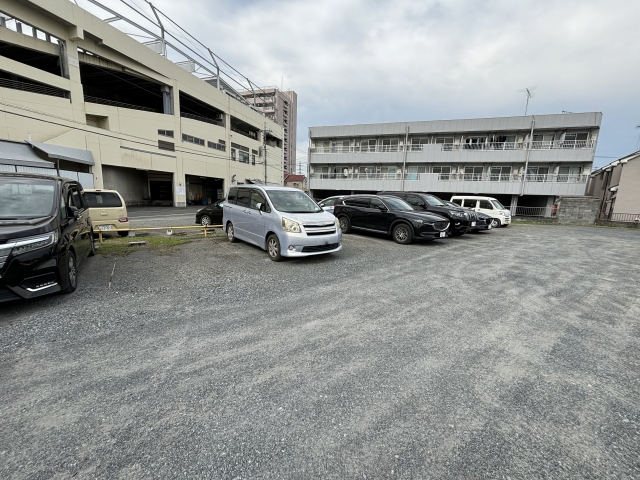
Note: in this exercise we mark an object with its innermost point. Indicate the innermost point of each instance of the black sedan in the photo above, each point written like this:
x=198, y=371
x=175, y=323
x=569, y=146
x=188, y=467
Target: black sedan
x=211, y=214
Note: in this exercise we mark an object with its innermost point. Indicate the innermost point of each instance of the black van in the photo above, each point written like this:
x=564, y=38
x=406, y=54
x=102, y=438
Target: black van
x=44, y=234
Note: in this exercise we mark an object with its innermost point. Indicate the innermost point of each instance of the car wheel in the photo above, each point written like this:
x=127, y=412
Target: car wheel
x=273, y=248
x=402, y=233
x=123, y=234
x=495, y=223
x=72, y=273
x=92, y=245
x=231, y=233
x=205, y=220
x=345, y=224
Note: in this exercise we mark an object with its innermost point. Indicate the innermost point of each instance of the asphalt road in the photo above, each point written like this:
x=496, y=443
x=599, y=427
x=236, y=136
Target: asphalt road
x=507, y=354
x=150, y=216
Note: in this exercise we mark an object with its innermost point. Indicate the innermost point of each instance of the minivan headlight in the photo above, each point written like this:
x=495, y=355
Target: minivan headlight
x=338, y=227
x=290, y=226
x=24, y=245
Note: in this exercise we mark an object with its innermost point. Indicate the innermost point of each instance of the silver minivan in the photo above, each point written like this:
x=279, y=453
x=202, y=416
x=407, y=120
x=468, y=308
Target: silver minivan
x=284, y=221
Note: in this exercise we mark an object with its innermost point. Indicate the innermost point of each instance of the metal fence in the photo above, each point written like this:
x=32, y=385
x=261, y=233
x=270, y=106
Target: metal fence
x=547, y=212
x=33, y=88
x=623, y=217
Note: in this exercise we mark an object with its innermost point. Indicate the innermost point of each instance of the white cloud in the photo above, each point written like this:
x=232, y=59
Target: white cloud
x=364, y=61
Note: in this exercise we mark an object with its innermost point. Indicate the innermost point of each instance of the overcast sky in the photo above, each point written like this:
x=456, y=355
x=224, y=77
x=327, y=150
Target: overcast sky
x=368, y=61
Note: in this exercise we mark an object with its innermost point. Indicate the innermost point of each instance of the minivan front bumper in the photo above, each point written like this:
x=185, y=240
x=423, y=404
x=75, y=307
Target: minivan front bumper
x=31, y=274
x=300, y=245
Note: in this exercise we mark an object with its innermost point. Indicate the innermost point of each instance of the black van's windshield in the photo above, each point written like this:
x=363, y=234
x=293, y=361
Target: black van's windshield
x=26, y=198
x=293, y=202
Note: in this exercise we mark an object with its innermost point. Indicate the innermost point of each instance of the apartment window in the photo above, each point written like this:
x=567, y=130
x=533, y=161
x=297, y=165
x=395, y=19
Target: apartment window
x=162, y=145
x=444, y=173
x=389, y=144
x=417, y=144
x=473, y=173
x=575, y=140
x=569, y=174
x=537, y=174
x=190, y=139
x=166, y=133
x=216, y=146
x=446, y=141
x=253, y=156
x=233, y=154
x=413, y=172
x=243, y=157
x=474, y=142
x=368, y=145
x=500, y=174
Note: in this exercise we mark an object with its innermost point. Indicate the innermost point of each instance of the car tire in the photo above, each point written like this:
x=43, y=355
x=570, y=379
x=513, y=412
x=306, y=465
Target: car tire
x=72, y=273
x=231, y=233
x=345, y=224
x=495, y=223
x=402, y=234
x=273, y=248
x=123, y=234
x=205, y=220
x=92, y=245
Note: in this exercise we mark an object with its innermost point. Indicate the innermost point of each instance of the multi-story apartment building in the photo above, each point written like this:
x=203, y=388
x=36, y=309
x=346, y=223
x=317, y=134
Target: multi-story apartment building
x=282, y=108
x=117, y=114
x=523, y=160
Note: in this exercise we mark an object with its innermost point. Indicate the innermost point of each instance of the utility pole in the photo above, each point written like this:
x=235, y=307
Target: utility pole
x=404, y=162
x=264, y=149
x=526, y=163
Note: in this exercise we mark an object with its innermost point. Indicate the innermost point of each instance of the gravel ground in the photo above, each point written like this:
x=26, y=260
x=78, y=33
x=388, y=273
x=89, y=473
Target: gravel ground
x=505, y=354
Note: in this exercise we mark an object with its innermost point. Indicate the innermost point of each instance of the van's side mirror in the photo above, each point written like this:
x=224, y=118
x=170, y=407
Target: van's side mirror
x=382, y=208
x=73, y=212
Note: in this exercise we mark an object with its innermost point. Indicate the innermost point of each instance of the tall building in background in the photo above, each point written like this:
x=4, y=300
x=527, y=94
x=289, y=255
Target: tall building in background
x=282, y=108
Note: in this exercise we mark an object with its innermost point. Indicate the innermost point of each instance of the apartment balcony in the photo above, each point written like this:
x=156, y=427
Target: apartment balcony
x=504, y=152
x=552, y=184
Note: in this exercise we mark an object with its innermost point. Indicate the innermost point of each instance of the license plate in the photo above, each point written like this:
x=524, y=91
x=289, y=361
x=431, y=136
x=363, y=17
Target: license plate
x=105, y=227
x=473, y=224
x=443, y=234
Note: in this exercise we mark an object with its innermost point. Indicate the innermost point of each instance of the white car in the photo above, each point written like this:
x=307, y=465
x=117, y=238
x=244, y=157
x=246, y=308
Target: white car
x=487, y=205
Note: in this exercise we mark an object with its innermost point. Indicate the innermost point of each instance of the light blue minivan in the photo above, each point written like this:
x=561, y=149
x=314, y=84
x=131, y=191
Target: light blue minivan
x=284, y=221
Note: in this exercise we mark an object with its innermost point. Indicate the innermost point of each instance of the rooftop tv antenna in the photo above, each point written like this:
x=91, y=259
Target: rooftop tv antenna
x=530, y=93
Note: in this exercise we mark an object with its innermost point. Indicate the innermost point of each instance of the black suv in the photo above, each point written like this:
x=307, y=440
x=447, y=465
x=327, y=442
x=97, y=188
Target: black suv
x=45, y=231
x=390, y=215
x=461, y=220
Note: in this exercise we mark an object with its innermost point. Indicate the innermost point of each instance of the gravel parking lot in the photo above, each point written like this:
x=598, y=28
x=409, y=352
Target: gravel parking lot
x=506, y=354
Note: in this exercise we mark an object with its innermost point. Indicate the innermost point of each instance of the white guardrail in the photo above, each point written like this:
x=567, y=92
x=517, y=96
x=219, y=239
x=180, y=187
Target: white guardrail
x=469, y=177
x=449, y=147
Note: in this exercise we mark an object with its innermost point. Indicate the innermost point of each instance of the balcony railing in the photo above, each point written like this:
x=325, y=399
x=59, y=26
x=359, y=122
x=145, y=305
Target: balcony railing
x=448, y=177
x=450, y=147
x=250, y=134
x=202, y=119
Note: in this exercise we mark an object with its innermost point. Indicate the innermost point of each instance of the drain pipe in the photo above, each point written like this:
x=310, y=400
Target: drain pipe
x=526, y=163
x=404, y=162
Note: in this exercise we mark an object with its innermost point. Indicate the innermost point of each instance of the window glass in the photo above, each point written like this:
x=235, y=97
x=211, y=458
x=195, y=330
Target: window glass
x=256, y=198
x=293, y=202
x=457, y=201
x=26, y=198
x=357, y=202
x=233, y=154
x=433, y=201
x=243, y=157
x=231, y=197
x=63, y=208
x=376, y=203
x=76, y=200
x=397, y=204
x=328, y=203
x=485, y=204
x=102, y=200
x=415, y=201
x=498, y=205
x=244, y=197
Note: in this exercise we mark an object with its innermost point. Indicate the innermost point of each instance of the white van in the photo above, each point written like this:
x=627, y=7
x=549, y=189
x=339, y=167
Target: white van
x=487, y=205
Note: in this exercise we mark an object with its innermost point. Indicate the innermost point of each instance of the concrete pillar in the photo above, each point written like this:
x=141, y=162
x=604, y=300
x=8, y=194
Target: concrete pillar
x=514, y=204
x=167, y=103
